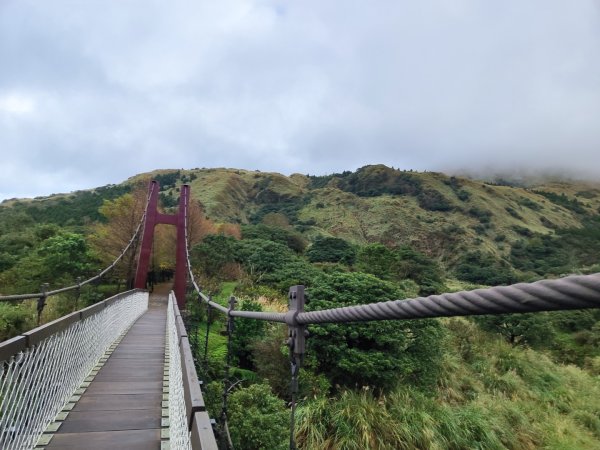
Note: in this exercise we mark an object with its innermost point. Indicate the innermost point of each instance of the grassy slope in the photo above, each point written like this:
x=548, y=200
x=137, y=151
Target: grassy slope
x=490, y=396
x=232, y=195
x=236, y=195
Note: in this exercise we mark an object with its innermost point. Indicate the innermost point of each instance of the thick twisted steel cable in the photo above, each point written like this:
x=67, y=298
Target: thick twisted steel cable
x=572, y=292
x=95, y=277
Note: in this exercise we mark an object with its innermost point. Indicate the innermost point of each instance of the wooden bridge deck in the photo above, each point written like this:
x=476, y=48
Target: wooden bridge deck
x=122, y=406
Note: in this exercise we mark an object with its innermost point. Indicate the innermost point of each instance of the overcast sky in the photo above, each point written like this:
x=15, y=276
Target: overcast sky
x=92, y=92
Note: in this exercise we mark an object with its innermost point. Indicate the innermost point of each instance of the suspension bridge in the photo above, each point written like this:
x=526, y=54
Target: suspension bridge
x=122, y=373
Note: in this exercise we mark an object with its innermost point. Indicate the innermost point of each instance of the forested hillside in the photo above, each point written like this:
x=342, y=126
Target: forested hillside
x=518, y=382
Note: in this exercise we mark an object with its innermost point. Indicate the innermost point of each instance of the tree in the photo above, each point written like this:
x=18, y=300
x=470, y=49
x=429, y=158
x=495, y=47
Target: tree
x=519, y=329
x=108, y=239
x=65, y=254
x=259, y=255
x=423, y=270
x=292, y=239
x=258, y=419
x=247, y=331
x=331, y=249
x=213, y=253
x=376, y=259
x=379, y=353
x=483, y=268
x=199, y=226
x=58, y=260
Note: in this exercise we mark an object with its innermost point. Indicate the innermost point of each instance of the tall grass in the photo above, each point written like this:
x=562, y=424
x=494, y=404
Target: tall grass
x=490, y=396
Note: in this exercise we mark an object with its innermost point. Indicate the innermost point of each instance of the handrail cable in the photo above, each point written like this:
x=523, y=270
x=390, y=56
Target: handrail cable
x=95, y=277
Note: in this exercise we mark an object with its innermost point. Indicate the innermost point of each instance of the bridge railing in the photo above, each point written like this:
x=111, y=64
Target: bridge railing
x=41, y=370
x=189, y=424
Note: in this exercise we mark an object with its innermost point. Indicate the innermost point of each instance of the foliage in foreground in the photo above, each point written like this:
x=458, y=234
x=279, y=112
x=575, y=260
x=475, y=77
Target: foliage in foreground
x=490, y=396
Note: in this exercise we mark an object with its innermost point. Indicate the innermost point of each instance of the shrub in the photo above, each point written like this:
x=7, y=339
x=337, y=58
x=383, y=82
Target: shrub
x=433, y=201
x=331, y=249
x=246, y=332
x=483, y=215
x=483, y=268
x=258, y=419
x=214, y=253
x=292, y=239
x=377, y=354
x=260, y=255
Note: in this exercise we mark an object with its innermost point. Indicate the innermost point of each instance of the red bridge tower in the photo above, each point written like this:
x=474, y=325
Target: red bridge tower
x=153, y=218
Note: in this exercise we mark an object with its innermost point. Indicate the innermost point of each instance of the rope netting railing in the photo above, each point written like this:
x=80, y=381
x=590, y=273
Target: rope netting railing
x=41, y=369
x=46, y=293
x=189, y=424
x=179, y=434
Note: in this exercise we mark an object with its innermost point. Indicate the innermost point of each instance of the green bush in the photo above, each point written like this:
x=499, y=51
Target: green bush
x=258, y=419
x=378, y=354
x=15, y=319
x=213, y=253
x=483, y=268
x=245, y=333
x=432, y=200
x=292, y=239
x=524, y=329
x=331, y=249
x=260, y=255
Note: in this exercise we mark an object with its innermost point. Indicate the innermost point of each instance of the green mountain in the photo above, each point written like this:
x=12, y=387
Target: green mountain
x=439, y=215
x=442, y=216
x=498, y=382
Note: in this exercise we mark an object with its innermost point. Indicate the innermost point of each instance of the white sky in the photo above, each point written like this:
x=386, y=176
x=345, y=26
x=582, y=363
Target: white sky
x=94, y=92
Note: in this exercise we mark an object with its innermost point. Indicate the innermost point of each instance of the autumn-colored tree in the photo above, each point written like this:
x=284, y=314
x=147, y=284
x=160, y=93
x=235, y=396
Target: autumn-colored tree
x=108, y=239
x=198, y=224
x=163, y=248
x=230, y=229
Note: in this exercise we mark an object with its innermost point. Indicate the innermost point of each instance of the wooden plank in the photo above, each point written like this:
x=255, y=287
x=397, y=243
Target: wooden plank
x=12, y=347
x=38, y=334
x=122, y=362
x=124, y=387
x=130, y=440
x=203, y=437
x=113, y=402
x=85, y=421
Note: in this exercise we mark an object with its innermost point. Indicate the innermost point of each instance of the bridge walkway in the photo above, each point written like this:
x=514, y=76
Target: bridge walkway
x=122, y=406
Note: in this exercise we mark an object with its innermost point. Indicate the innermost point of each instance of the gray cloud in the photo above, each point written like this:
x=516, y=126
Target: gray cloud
x=93, y=93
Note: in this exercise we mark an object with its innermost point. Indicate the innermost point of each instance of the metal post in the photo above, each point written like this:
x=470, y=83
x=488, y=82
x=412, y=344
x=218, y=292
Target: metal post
x=297, y=344
x=147, y=236
x=227, y=383
x=78, y=292
x=42, y=301
x=181, y=268
x=208, y=314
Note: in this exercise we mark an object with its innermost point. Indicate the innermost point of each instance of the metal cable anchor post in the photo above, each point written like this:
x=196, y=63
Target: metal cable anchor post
x=42, y=301
x=208, y=320
x=78, y=280
x=297, y=344
x=227, y=382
